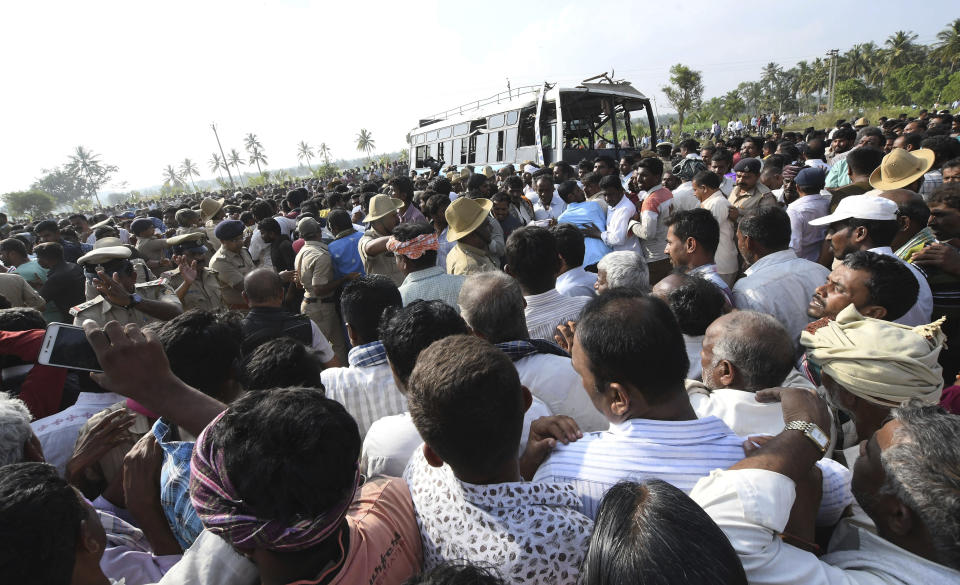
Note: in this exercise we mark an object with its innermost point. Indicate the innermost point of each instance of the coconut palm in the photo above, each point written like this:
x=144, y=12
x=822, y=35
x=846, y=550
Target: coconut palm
x=365, y=142
x=901, y=49
x=251, y=142
x=324, y=152
x=305, y=153
x=947, y=48
x=171, y=178
x=234, y=160
x=188, y=170
x=257, y=157
x=216, y=163
x=854, y=63
x=85, y=167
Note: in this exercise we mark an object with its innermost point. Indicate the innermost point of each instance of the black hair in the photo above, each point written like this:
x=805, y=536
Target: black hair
x=363, y=301
x=42, y=517
x=498, y=197
x=698, y=224
x=891, y=284
x=944, y=147
x=633, y=339
x=52, y=251
x=282, y=362
x=513, y=182
x=768, y=226
x=203, y=348
x=845, y=133
x=946, y=194
x=435, y=204
x=441, y=185
x=463, y=388
x=339, y=220
x=407, y=231
x=21, y=319
x=476, y=181
x=531, y=254
x=269, y=225
x=862, y=161
x=913, y=140
x=402, y=185
x=106, y=231
x=407, y=331
x=647, y=533
x=457, y=573
x=290, y=453
x=611, y=182
x=652, y=164
x=570, y=243
x=722, y=155
x=47, y=225
x=881, y=232
x=607, y=161
x=690, y=144
x=696, y=304
x=14, y=245
x=707, y=179
x=591, y=179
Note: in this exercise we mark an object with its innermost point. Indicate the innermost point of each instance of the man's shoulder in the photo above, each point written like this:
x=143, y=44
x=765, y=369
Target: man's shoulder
x=157, y=283
x=74, y=311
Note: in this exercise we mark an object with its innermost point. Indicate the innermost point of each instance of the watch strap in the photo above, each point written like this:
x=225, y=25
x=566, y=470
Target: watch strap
x=810, y=430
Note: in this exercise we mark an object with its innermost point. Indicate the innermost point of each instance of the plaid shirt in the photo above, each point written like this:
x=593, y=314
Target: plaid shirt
x=365, y=388
x=368, y=354
x=919, y=241
x=517, y=350
x=175, y=486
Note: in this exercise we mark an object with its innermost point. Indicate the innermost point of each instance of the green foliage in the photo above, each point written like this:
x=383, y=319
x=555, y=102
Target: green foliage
x=851, y=92
x=951, y=90
x=34, y=203
x=261, y=180
x=61, y=185
x=686, y=90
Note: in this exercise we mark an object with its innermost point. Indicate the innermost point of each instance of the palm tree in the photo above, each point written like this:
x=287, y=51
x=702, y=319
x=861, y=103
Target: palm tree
x=305, y=152
x=901, y=49
x=234, y=160
x=171, y=178
x=250, y=142
x=947, y=48
x=873, y=58
x=854, y=63
x=256, y=158
x=86, y=168
x=188, y=170
x=819, y=78
x=365, y=142
x=216, y=163
x=324, y=152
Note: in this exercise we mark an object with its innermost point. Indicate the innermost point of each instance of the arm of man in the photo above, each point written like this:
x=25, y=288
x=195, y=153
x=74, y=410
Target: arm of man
x=31, y=298
x=323, y=347
x=617, y=224
x=375, y=246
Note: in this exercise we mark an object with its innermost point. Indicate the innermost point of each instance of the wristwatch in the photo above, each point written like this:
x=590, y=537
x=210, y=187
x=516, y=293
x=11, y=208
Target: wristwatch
x=135, y=299
x=811, y=431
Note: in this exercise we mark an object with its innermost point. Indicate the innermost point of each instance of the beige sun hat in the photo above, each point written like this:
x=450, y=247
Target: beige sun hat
x=380, y=206
x=465, y=215
x=209, y=207
x=107, y=242
x=103, y=255
x=900, y=168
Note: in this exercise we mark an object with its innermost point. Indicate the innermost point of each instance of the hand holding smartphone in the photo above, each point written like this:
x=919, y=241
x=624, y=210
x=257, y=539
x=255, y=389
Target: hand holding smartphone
x=66, y=346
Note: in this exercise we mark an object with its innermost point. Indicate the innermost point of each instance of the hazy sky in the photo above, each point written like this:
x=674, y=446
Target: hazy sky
x=139, y=83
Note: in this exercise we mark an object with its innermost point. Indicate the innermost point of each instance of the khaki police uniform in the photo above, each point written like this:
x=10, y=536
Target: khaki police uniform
x=315, y=268
x=230, y=268
x=204, y=293
x=140, y=269
x=103, y=311
x=151, y=248
x=385, y=264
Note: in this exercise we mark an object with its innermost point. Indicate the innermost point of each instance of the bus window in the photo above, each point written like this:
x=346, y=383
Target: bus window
x=444, y=132
x=431, y=136
x=498, y=139
x=527, y=136
x=455, y=152
x=440, y=150
x=510, y=148
x=421, y=156
x=468, y=150
x=461, y=129
x=481, y=148
x=495, y=121
x=512, y=117
x=549, y=136
x=433, y=150
x=420, y=138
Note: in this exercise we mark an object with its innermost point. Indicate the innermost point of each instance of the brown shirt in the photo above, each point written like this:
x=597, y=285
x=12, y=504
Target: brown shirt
x=384, y=264
x=314, y=266
x=231, y=267
x=759, y=196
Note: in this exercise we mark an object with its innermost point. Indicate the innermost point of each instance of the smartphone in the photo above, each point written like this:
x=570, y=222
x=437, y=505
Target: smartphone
x=66, y=346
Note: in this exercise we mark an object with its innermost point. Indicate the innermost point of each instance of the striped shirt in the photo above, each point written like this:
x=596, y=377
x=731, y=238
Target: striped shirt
x=547, y=310
x=365, y=388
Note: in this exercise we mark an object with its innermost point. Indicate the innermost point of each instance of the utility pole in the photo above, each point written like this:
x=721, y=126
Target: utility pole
x=213, y=126
x=833, y=54
x=509, y=94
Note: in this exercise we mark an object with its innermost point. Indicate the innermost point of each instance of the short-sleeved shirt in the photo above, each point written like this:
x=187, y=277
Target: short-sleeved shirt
x=63, y=289
x=20, y=294
x=152, y=248
x=759, y=196
x=31, y=271
x=384, y=264
x=466, y=259
x=102, y=311
x=231, y=267
x=203, y=294
x=315, y=267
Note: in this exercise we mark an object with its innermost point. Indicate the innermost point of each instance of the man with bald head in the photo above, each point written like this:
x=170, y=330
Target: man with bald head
x=914, y=233
x=267, y=319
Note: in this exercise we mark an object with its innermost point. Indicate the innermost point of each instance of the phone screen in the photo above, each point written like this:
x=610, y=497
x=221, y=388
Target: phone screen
x=72, y=350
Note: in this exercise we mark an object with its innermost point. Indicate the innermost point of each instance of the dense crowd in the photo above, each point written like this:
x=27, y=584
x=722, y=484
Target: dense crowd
x=723, y=362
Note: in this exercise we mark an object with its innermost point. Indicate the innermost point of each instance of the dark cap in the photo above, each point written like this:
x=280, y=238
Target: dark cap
x=748, y=165
x=140, y=225
x=812, y=178
x=229, y=229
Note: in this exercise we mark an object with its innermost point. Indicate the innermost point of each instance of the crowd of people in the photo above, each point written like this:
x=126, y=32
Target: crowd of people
x=728, y=362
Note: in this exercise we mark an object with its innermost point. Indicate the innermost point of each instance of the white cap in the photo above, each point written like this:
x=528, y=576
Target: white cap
x=860, y=207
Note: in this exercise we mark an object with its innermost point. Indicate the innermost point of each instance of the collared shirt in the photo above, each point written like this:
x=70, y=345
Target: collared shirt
x=532, y=532
x=931, y=181
x=103, y=311
x=709, y=272
x=366, y=387
x=577, y=282
x=752, y=507
x=384, y=263
x=651, y=230
x=617, y=235
x=231, y=267
x=727, y=183
x=557, y=206
x=58, y=433
x=552, y=379
x=919, y=241
x=684, y=199
x=759, y=196
x=175, y=485
x=315, y=267
x=738, y=409
x=921, y=311
x=346, y=254
x=780, y=284
x=546, y=310
x=127, y=553
x=432, y=284
x=152, y=248
x=444, y=249
x=412, y=214
x=805, y=239
x=726, y=254
x=466, y=260
x=203, y=294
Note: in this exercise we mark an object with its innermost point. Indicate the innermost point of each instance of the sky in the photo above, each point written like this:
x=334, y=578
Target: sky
x=140, y=83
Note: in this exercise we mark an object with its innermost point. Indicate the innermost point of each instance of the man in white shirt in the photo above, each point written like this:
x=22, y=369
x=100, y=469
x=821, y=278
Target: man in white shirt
x=721, y=163
x=532, y=259
x=548, y=205
x=365, y=387
x=492, y=305
x=620, y=210
x=692, y=240
x=58, y=433
x=706, y=187
x=868, y=222
x=905, y=480
x=776, y=282
x=573, y=280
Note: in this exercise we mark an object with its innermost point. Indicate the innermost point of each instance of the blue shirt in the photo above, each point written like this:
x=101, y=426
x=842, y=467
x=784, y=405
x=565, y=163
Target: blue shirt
x=175, y=486
x=346, y=255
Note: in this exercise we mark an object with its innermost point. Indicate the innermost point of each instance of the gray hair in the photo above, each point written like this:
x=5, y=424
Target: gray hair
x=921, y=472
x=758, y=346
x=14, y=429
x=626, y=269
x=492, y=305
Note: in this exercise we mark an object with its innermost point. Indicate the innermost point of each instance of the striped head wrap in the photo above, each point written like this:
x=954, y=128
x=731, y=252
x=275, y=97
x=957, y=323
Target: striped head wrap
x=415, y=247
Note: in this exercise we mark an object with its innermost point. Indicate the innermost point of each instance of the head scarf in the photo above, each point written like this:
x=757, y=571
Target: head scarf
x=882, y=362
x=791, y=171
x=223, y=512
x=414, y=248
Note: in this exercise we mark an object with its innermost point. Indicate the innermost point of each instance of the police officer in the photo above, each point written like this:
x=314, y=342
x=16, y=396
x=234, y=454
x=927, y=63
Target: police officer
x=121, y=298
x=149, y=246
x=211, y=212
x=314, y=267
x=140, y=269
x=196, y=285
x=231, y=263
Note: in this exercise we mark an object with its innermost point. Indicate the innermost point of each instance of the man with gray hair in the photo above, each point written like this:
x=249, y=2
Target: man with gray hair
x=623, y=269
x=743, y=352
x=17, y=441
x=492, y=305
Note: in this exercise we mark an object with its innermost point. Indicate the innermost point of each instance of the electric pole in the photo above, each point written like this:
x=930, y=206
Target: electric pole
x=213, y=126
x=833, y=54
